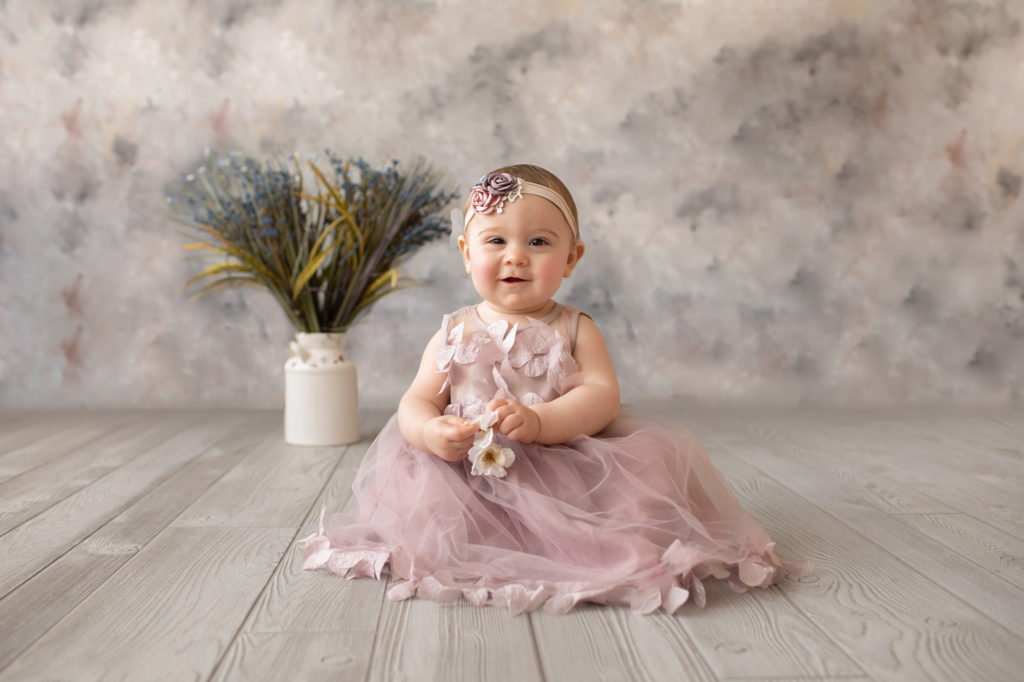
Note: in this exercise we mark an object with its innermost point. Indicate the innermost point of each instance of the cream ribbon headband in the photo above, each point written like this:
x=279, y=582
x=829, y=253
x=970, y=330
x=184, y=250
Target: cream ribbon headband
x=494, y=189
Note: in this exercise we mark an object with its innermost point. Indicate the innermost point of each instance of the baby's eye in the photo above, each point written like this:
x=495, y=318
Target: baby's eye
x=495, y=240
x=538, y=241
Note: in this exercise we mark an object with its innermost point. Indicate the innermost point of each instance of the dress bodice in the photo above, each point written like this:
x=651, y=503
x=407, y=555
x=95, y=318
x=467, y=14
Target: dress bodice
x=531, y=363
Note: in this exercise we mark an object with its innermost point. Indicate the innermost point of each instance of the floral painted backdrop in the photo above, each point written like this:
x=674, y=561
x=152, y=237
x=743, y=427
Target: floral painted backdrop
x=786, y=202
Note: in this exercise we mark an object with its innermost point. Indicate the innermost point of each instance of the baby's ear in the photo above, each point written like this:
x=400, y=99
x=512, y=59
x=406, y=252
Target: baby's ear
x=575, y=253
x=464, y=248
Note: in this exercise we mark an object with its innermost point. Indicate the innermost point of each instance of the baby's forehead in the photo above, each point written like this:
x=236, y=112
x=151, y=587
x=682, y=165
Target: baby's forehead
x=552, y=218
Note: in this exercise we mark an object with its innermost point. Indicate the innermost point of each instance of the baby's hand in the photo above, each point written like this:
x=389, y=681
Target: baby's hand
x=449, y=437
x=515, y=420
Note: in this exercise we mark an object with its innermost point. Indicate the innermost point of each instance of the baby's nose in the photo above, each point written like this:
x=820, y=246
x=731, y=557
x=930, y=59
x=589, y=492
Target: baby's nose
x=515, y=254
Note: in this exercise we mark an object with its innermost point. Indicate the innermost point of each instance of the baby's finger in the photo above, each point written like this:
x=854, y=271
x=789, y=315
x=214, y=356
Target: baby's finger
x=501, y=412
x=454, y=432
x=511, y=422
x=497, y=403
x=456, y=421
x=520, y=428
x=467, y=430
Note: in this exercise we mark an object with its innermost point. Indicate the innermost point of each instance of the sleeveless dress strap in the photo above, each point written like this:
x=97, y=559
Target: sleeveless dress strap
x=453, y=318
x=573, y=325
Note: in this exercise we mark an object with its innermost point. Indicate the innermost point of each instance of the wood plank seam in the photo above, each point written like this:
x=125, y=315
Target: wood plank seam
x=118, y=428
x=910, y=567
x=1006, y=553
x=963, y=510
x=100, y=530
x=536, y=650
x=128, y=503
x=312, y=512
x=43, y=458
x=980, y=488
x=828, y=637
x=999, y=421
x=854, y=645
x=154, y=436
x=788, y=678
x=376, y=629
x=988, y=523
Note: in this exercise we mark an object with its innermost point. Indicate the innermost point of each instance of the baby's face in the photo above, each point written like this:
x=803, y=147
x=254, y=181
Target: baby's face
x=518, y=258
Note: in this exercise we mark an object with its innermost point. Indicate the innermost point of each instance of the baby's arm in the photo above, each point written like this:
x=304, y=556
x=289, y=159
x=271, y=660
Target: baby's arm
x=584, y=410
x=421, y=417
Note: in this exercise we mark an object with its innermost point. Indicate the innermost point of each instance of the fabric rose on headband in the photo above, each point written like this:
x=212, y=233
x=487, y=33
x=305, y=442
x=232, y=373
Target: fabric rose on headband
x=500, y=183
x=483, y=202
x=493, y=190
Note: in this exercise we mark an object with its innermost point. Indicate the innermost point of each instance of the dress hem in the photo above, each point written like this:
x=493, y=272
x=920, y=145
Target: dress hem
x=679, y=577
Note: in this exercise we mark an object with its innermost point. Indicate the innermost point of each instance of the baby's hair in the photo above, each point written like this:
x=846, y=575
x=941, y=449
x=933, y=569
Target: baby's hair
x=530, y=173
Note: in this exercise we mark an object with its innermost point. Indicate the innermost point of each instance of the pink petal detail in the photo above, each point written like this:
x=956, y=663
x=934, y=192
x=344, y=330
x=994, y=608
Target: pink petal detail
x=674, y=597
x=496, y=330
x=431, y=588
x=466, y=353
x=445, y=357
x=403, y=590
x=700, y=595
x=477, y=596
x=455, y=335
x=318, y=551
x=647, y=600
x=502, y=385
x=510, y=338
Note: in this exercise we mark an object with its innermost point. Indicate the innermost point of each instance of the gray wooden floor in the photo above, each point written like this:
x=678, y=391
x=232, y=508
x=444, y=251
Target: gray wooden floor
x=161, y=545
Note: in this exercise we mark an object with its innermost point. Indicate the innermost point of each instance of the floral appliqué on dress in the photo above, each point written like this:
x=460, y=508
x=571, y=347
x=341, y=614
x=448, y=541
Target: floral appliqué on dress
x=534, y=351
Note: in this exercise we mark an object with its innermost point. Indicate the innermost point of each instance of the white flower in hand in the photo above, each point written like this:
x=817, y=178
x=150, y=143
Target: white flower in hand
x=486, y=420
x=489, y=458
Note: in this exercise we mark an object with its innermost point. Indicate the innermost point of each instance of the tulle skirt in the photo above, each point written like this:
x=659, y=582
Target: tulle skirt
x=636, y=515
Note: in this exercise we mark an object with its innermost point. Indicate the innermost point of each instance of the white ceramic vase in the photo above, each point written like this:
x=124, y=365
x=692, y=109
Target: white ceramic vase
x=321, y=399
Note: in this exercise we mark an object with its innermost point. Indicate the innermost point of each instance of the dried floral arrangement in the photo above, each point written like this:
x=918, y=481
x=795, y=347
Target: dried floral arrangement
x=326, y=256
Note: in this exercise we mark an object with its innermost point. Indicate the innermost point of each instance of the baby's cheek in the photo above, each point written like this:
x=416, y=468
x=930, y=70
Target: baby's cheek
x=485, y=266
x=554, y=270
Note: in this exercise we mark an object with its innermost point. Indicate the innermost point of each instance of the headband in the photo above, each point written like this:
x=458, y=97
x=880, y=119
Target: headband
x=494, y=189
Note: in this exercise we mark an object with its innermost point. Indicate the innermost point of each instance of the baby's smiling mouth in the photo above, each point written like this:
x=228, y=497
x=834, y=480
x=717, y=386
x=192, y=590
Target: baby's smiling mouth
x=512, y=280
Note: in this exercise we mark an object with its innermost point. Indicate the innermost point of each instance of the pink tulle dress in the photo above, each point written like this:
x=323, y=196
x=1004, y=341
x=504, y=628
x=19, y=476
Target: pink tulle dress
x=635, y=515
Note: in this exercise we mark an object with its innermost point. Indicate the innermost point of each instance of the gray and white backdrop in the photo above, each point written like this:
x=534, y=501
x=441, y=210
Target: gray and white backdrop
x=784, y=201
